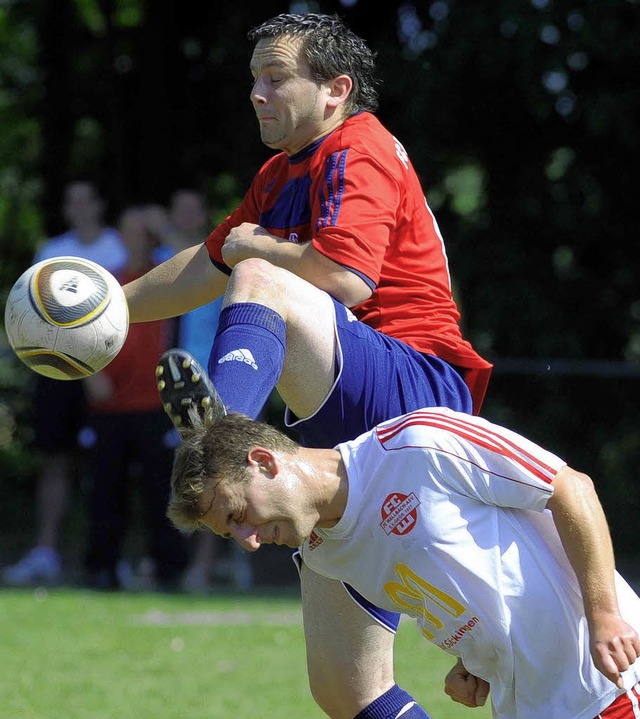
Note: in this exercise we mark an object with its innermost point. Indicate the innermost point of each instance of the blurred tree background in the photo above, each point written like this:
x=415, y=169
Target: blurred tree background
x=522, y=118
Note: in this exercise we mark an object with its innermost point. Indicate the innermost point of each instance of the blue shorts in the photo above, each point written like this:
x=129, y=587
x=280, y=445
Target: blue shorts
x=378, y=378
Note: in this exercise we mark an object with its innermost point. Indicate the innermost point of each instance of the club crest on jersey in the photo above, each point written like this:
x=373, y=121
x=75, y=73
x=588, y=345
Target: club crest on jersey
x=399, y=513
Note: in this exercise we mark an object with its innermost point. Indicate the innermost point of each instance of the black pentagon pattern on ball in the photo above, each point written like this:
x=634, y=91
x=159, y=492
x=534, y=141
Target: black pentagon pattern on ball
x=76, y=314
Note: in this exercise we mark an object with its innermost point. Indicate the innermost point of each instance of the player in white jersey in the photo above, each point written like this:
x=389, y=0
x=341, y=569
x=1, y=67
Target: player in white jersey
x=497, y=548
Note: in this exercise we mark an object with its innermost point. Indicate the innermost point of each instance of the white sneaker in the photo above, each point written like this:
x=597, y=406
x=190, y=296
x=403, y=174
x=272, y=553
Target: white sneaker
x=41, y=565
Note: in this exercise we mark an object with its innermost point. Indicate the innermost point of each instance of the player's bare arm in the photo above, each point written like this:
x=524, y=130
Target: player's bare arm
x=464, y=687
x=583, y=529
x=185, y=281
x=248, y=240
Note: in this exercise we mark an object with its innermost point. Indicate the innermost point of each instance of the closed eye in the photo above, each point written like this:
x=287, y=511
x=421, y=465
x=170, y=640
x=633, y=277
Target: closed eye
x=231, y=519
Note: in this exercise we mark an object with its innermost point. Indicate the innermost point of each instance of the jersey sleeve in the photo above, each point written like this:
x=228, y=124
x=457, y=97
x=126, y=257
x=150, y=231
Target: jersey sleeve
x=247, y=211
x=473, y=457
x=497, y=466
x=355, y=212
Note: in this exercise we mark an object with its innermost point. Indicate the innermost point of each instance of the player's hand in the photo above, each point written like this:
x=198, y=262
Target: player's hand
x=615, y=645
x=245, y=241
x=465, y=688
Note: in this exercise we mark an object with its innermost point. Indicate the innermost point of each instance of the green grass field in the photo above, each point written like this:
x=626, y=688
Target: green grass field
x=73, y=654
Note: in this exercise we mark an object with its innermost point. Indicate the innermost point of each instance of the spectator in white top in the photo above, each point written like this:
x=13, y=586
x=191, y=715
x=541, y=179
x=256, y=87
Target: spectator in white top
x=61, y=405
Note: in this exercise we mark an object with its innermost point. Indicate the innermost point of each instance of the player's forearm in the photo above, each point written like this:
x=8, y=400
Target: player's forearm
x=583, y=529
x=185, y=281
x=342, y=283
x=252, y=241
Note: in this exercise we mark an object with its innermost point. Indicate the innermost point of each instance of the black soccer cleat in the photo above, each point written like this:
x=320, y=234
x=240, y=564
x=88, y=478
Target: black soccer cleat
x=184, y=387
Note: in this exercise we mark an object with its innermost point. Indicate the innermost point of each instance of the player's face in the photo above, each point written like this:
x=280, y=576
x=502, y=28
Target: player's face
x=289, y=104
x=266, y=509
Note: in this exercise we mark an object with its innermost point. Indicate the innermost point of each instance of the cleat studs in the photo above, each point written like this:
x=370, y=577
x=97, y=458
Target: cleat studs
x=185, y=390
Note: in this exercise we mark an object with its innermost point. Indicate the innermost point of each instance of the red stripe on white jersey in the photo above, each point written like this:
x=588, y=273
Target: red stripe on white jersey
x=491, y=439
x=626, y=706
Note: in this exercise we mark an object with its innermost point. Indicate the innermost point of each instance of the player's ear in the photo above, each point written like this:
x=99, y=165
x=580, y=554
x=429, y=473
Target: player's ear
x=339, y=90
x=263, y=458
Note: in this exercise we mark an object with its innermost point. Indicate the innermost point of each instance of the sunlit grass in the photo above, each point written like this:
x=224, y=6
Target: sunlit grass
x=70, y=654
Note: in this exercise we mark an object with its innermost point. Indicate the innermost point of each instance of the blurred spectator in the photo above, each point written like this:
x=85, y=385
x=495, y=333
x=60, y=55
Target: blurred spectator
x=184, y=224
x=129, y=438
x=61, y=405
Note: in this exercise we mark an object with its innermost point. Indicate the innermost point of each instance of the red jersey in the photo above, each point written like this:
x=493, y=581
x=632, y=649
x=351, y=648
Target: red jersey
x=355, y=195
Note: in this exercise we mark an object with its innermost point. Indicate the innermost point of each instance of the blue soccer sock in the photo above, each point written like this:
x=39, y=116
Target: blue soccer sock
x=393, y=704
x=247, y=356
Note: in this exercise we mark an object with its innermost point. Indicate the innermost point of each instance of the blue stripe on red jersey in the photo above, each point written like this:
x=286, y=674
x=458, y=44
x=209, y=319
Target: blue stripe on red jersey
x=334, y=182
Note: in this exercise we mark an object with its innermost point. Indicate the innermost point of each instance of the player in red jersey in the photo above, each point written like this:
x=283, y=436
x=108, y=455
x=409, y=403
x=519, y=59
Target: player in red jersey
x=337, y=292
x=354, y=197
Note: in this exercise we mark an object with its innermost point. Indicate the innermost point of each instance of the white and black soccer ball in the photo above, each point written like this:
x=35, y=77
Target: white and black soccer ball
x=66, y=317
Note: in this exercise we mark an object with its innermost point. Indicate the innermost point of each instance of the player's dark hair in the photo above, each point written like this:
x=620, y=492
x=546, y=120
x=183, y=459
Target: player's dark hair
x=331, y=49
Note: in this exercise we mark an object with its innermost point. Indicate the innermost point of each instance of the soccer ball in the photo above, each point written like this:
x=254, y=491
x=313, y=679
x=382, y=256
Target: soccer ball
x=66, y=317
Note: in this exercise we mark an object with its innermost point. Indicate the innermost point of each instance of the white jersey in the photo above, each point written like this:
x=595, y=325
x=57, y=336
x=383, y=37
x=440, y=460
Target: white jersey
x=108, y=250
x=453, y=531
